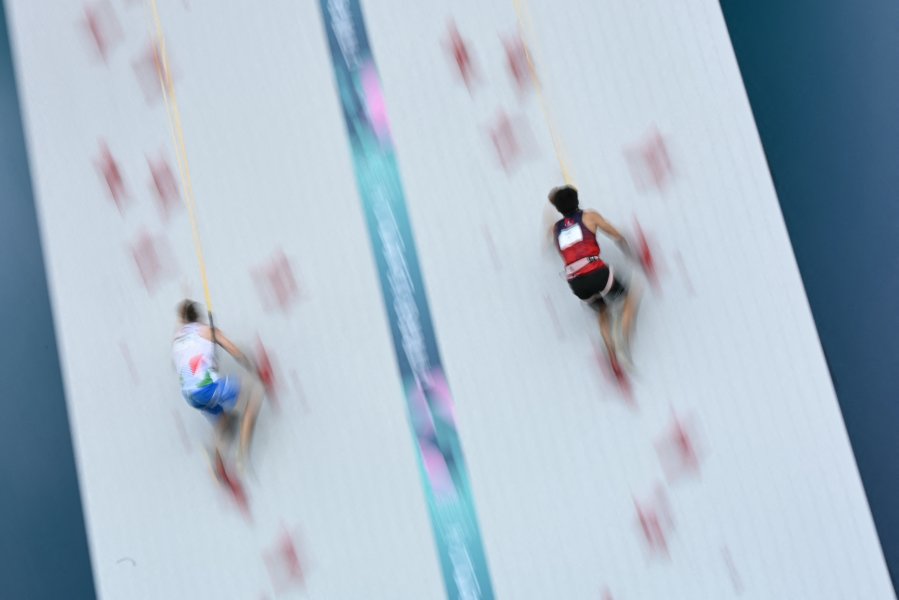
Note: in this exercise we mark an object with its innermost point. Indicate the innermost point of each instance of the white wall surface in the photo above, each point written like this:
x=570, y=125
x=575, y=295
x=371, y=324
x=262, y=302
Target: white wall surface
x=559, y=459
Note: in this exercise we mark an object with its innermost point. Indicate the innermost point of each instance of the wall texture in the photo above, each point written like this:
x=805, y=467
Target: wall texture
x=725, y=470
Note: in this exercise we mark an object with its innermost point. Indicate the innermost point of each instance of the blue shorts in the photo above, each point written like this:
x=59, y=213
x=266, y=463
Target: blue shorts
x=216, y=398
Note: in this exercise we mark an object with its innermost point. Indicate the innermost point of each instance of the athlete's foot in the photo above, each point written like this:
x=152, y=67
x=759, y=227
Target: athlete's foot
x=216, y=464
x=615, y=364
x=247, y=428
x=623, y=348
x=228, y=427
x=626, y=363
x=241, y=463
x=629, y=318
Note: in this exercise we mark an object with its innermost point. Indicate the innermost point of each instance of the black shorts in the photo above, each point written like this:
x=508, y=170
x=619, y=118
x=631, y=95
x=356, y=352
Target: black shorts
x=589, y=287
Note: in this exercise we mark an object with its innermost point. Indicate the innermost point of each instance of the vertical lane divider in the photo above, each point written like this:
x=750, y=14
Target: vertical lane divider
x=430, y=405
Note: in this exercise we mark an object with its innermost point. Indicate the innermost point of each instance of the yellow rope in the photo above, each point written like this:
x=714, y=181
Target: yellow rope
x=526, y=29
x=171, y=102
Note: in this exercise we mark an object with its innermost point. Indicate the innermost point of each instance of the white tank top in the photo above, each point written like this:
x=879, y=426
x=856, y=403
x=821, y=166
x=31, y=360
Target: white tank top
x=194, y=358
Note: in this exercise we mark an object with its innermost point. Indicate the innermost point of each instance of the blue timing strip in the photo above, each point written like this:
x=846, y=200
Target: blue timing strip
x=430, y=404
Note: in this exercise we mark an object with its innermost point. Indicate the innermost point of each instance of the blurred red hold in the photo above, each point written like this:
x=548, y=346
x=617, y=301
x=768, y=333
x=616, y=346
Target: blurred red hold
x=512, y=140
x=154, y=260
x=505, y=142
x=518, y=63
x=650, y=162
x=148, y=68
x=233, y=485
x=614, y=374
x=459, y=51
x=265, y=372
x=103, y=27
x=165, y=186
x=276, y=283
x=678, y=450
x=655, y=522
x=646, y=256
x=285, y=567
x=111, y=173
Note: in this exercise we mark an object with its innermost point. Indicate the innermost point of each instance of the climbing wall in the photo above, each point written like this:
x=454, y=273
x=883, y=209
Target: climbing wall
x=721, y=469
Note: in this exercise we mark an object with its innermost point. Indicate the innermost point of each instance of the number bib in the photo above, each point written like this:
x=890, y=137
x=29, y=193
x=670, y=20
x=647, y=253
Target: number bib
x=570, y=236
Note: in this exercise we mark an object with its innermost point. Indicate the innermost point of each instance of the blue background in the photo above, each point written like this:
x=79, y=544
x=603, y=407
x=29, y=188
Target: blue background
x=43, y=546
x=823, y=80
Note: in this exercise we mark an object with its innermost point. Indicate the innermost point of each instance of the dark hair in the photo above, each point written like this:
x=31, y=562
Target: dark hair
x=188, y=311
x=565, y=200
